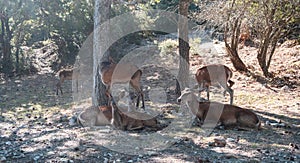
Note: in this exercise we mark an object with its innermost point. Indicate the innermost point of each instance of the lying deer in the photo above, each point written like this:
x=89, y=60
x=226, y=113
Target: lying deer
x=92, y=116
x=122, y=73
x=67, y=74
x=212, y=75
x=130, y=120
x=231, y=115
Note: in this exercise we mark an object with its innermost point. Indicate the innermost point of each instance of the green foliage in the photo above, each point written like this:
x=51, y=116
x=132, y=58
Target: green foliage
x=67, y=22
x=171, y=45
x=168, y=46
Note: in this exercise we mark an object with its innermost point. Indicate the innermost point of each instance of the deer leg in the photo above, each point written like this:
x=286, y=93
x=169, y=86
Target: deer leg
x=57, y=87
x=230, y=91
x=207, y=93
x=137, y=87
x=107, y=93
x=138, y=101
x=201, y=89
x=143, y=100
x=77, y=85
x=231, y=95
x=140, y=95
x=61, y=81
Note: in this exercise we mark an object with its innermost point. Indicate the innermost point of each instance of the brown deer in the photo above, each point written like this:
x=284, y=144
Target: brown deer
x=130, y=120
x=230, y=116
x=245, y=33
x=122, y=73
x=213, y=75
x=92, y=116
x=67, y=74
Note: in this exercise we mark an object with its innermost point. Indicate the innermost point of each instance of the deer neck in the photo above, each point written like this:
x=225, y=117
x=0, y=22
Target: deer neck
x=193, y=105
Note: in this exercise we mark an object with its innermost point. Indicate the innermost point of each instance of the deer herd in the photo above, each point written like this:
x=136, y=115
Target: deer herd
x=227, y=115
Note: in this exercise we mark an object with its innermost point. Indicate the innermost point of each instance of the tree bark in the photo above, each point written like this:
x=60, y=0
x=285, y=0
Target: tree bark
x=231, y=49
x=183, y=74
x=6, y=37
x=102, y=14
x=232, y=52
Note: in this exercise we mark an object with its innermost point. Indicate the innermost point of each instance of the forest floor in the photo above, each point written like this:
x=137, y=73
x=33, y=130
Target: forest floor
x=36, y=125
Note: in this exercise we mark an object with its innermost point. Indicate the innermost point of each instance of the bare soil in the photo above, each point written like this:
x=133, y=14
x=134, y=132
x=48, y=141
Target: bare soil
x=37, y=126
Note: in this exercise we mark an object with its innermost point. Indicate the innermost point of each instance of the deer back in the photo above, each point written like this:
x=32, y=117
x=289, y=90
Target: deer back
x=69, y=74
x=119, y=73
x=213, y=74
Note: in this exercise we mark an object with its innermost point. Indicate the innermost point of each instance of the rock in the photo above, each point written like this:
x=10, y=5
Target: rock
x=285, y=88
x=72, y=121
x=8, y=143
x=36, y=158
x=230, y=140
x=218, y=142
x=105, y=160
x=3, y=158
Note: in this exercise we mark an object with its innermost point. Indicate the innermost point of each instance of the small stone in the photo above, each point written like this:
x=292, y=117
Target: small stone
x=230, y=140
x=218, y=143
x=3, y=158
x=151, y=153
x=285, y=88
x=105, y=160
x=8, y=143
x=72, y=121
x=36, y=158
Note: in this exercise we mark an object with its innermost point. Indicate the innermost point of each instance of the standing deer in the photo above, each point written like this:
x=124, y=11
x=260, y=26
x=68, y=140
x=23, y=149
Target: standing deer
x=244, y=33
x=213, y=75
x=230, y=116
x=122, y=73
x=67, y=74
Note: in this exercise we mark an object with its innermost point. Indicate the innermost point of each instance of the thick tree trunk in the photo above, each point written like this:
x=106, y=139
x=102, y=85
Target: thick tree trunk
x=183, y=74
x=237, y=63
x=102, y=14
x=267, y=49
x=5, y=38
x=231, y=50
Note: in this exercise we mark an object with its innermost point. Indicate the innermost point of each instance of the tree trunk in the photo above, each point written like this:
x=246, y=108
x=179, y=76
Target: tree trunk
x=263, y=50
x=231, y=49
x=6, y=37
x=102, y=14
x=237, y=63
x=232, y=52
x=183, y=74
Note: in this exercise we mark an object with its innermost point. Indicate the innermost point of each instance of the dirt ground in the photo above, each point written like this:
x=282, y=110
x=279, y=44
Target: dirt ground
x=37, y=126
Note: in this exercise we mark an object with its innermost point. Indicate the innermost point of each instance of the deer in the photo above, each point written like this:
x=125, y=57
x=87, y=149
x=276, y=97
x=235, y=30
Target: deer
x=67, y=74
x=231, y=115
x=92, y=116
x=112, y=72
x=129, y=120
x=213, y=75
x=245, y=33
